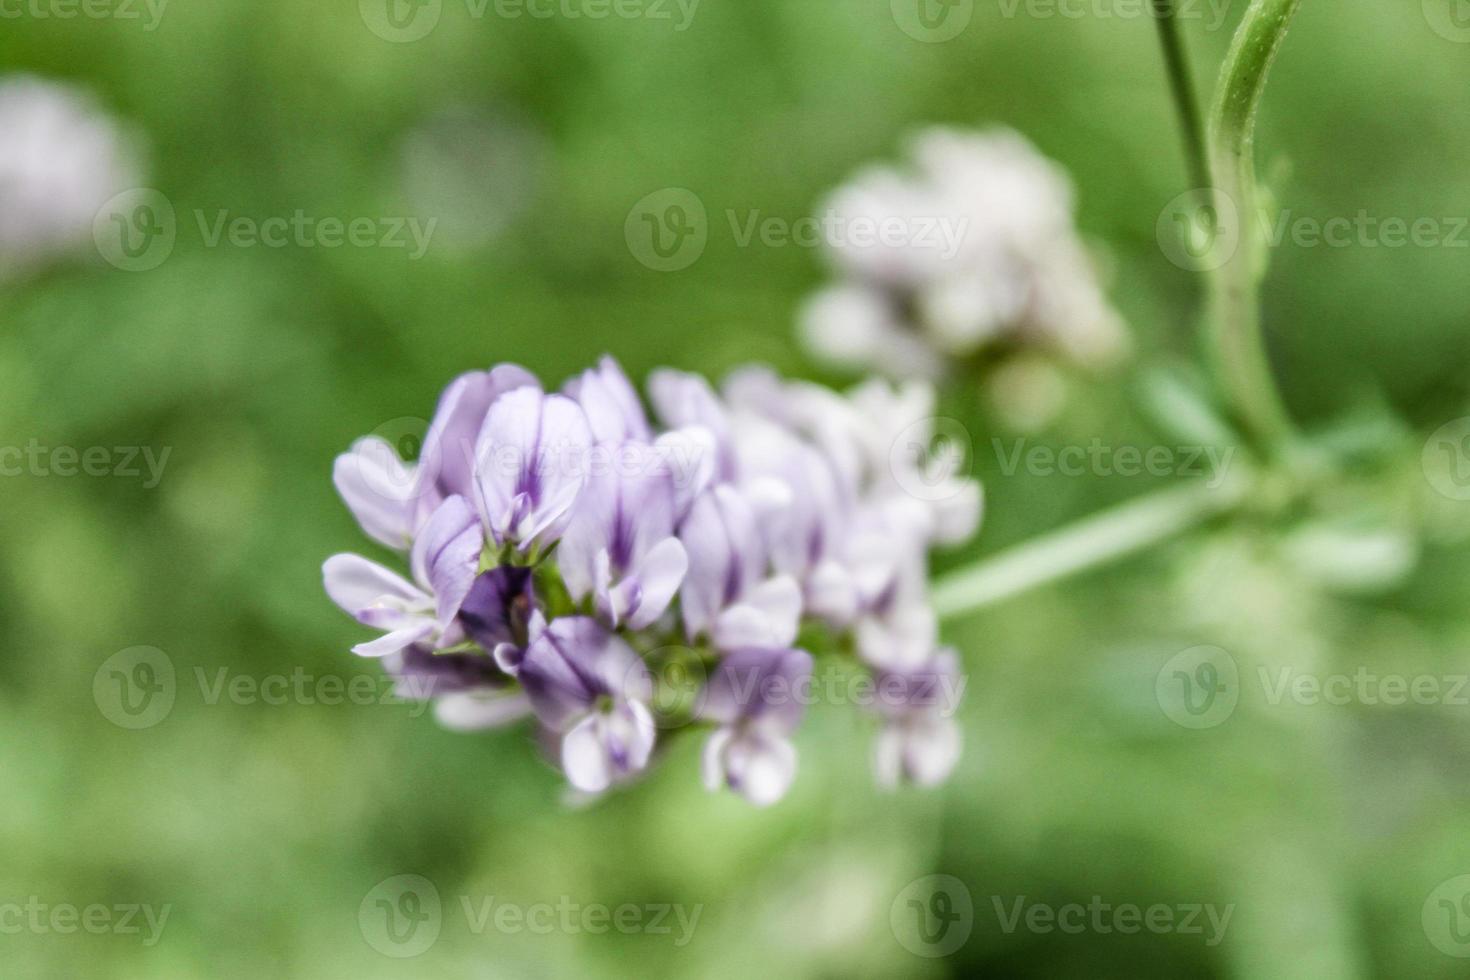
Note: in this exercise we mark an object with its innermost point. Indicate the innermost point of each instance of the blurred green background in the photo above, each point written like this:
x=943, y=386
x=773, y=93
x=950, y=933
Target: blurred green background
x=265, y=826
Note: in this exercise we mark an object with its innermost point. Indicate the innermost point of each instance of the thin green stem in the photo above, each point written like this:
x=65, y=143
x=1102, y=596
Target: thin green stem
x=1094, y=541
x=1237, y=347
x=1181, y=87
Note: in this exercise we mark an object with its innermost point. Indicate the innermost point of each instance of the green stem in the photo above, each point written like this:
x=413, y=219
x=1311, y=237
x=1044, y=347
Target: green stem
x=1237, y=347
x=1097, y=540
x=1181, y=87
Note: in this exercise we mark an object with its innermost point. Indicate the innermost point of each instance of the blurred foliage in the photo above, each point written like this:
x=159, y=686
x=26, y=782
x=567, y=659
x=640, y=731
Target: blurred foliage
x=265, y=825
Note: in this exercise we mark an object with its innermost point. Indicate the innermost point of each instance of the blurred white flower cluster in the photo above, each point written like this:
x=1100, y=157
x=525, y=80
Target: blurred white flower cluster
x=1010, y=273
x=61, y=159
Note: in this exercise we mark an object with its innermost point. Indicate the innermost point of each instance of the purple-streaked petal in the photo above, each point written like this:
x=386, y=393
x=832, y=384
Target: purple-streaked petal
x=658, y=576
x=621, y=515
x=448, y=454
x=446, y=556
x=530, y=466
x=499, y=607
x=574, y=662
x=419, y=674
x=562, y=464
x=504, y=451
x=607, y=746
x=934, y=686
x=720, y=540
x=770, y=686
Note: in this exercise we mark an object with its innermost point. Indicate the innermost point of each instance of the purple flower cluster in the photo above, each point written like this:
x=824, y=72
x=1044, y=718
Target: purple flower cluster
x=560, y=544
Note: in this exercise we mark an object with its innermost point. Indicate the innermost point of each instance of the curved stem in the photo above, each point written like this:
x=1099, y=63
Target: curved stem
x=1181, y=87
x=1094, y=541
x=1236, y=343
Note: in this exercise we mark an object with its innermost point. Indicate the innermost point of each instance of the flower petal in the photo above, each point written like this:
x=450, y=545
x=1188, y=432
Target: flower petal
x=448, y=454
x=354, y=583
x=395, y=641
x=584, y=757
x=379, y=489
x=446, y=556
x=478, y=711
x=659, y=576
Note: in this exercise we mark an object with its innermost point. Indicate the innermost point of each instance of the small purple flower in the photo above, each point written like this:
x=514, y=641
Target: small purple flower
x=920, y=741
x=469, y=691
x=444, y=560
x=809, y=529
x=611, y=403
x=530, y=466
x=756, y=697
x=449, y=445
x=391, y=498
x=588, y=685
x=621, y=548
x=685, y=401
x=726, y=594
